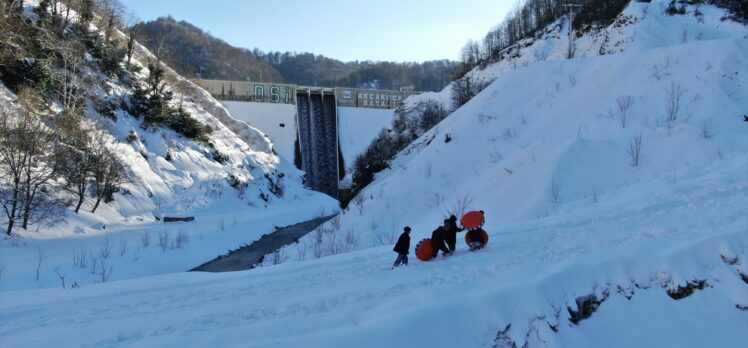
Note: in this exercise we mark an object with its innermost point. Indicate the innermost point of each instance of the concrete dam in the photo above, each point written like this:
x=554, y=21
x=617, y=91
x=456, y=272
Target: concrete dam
x=320, y=129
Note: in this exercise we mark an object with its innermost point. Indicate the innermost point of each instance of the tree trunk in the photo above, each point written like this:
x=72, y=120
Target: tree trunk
x=96, y=205
x=27, y=208
x=13, y=208
x=81, y=195
x=80, y=202
x=26, y=217
x=29, y=198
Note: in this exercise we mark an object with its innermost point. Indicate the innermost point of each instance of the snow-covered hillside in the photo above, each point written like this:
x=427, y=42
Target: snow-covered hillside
x=547, y=138
x=171, y=175
x=613, y=184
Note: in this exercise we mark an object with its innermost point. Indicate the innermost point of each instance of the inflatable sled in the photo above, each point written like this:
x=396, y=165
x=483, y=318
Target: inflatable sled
x=472, y=220
x=424, y=249
x=483, y=236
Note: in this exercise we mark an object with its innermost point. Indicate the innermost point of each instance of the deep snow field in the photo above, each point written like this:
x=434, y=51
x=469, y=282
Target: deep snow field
x=638, y=244
x=660, y=245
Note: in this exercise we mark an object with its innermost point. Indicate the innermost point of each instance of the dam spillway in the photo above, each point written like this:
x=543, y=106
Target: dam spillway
x=317, y=126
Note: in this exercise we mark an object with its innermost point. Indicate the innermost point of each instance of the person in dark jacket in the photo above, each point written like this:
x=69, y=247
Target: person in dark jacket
x=451, y=238
x=438, y=237
x=402, y=248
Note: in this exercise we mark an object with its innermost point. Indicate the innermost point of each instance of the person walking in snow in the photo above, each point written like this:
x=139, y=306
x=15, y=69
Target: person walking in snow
x=402, y=248
x=451, y=237
x=438, y=238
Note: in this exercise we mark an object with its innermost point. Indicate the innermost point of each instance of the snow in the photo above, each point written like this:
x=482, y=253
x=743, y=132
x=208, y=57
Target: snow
x=625, y=234
x=358, y=127
x=191, y=183
x=268, y=118
x=508, y=155
x=529, y=269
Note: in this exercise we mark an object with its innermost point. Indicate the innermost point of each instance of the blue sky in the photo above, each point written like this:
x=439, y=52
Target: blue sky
x=404, y=30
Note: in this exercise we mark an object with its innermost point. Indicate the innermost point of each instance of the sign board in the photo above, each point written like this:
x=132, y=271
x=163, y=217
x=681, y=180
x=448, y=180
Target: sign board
x=250, y=91
x=286, y=94
x=370, y=98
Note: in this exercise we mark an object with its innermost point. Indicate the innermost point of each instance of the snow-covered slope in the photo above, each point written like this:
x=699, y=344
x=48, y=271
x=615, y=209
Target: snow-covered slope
x=171, y=176
x=628, y=249
x=547, y=139
x=358, y=127
x=660, y=248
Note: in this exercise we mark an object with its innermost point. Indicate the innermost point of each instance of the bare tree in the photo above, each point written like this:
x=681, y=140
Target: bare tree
x=94, y=263
x=385, y=237
x=595, y=194
x=359, y=201
x=80, y=257
x=26, y=168
x=470, y=53
x=318, y=242
x=181, y=240
x=105, y=270
x=110, y=14
x=634, y=151
x=555, y=191
x=105, y=249
x=41, y=256
x=673, y=101
x=706, y=130
x=350, y=239
x=109, y=173
x=459, y=206
x=145, y=239
x=61, y=276
x=437, y=199
x=76, y=156
x=335, y=223
x=163, y=241
x=12, y=45
x=279, y=256
x=624, y=104
x=122, y=246
x=301, y=250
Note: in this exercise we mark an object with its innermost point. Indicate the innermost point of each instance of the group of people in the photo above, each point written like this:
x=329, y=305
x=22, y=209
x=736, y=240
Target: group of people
x=444, y=239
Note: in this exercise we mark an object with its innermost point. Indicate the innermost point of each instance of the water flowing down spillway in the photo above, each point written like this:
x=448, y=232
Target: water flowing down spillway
x=318, y=141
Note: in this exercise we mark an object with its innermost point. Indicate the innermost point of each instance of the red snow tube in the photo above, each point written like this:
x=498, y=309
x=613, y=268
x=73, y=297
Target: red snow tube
x=472, y=220
x=424, y=249
x=483, y=236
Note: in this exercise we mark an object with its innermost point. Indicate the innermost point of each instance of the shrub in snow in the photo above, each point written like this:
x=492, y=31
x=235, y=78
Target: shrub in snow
x=153, y=101
x=586, y=305
x=634, y=151
x=684, y=291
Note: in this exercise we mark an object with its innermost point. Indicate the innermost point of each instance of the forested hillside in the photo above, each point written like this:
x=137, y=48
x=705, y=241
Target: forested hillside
x=195, y=53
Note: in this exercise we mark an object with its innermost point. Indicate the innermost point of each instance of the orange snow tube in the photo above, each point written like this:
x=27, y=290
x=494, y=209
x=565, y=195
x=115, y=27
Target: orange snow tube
x=472, y=220
x=483, y=236
x=424, y=249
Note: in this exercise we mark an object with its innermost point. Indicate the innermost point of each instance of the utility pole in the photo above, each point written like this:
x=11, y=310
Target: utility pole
x=571, y=38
